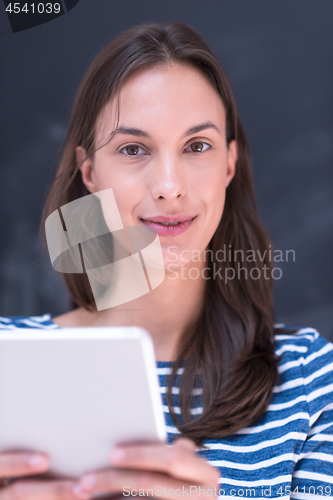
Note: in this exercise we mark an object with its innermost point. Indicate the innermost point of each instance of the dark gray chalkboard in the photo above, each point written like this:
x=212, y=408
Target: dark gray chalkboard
x=279, y=58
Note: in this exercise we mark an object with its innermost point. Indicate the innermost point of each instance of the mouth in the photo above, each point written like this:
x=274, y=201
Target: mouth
x=169, y=226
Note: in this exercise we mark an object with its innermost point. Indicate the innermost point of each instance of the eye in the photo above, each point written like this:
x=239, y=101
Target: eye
x=198, y=147
x=132, y=150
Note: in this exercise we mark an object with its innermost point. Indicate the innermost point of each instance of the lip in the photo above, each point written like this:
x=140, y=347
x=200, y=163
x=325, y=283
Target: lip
x=185, y=221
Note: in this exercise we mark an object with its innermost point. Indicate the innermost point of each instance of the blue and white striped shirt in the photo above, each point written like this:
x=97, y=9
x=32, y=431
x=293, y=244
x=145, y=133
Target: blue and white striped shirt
x=288, y=452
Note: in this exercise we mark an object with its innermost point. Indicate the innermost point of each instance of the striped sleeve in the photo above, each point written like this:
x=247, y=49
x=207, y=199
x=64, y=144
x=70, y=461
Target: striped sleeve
x=313, y=474
x=14, y=322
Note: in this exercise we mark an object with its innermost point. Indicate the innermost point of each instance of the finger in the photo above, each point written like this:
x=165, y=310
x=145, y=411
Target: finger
x=135, y=482
x=21, y=464
x=186, y=444
x=45, y=490
x=177, y=461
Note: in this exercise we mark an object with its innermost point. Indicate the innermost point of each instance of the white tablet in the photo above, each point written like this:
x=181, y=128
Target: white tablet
x=76, y=392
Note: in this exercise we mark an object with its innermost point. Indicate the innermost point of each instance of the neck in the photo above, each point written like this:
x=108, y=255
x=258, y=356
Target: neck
x=167, y=312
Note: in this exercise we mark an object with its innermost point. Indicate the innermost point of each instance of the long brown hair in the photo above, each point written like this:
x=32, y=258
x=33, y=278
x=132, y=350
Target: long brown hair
x=231, y=349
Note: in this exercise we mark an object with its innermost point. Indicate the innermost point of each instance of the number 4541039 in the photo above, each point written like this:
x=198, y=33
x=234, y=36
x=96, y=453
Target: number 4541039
x=49, y=8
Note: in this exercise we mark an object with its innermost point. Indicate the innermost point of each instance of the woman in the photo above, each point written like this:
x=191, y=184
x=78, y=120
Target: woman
x=155, y=120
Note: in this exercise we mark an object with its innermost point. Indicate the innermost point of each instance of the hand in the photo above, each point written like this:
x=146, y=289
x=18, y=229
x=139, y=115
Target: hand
x=22, y=465
x=149, y=466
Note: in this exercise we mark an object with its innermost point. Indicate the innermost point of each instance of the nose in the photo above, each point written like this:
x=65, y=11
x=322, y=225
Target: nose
x=167, y=179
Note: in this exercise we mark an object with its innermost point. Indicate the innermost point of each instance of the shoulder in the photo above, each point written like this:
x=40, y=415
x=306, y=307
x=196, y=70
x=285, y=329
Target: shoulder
x=75, y=318
x=292, y=342
x=14, y=322
x=306, y=386
x=306, y=361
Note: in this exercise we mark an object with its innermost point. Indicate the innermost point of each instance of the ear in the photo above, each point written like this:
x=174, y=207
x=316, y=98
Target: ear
x=232, y=159
x=87, y=169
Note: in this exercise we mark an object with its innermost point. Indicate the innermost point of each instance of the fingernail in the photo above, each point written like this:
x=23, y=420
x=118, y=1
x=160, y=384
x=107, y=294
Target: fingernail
x=80, y=492
x=118, y=455
x=37, y=461
x=88, y=482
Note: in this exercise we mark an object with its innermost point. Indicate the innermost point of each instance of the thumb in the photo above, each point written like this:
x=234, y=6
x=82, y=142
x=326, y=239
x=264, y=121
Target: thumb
x=185, y=444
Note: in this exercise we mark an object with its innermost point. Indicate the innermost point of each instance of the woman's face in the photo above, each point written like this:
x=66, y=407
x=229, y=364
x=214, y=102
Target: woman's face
x=169, y=163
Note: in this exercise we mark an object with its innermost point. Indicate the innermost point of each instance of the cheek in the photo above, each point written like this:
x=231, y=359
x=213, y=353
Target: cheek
x=214, y=205
x=127, y=192
x=127, y=198
x=212, y=194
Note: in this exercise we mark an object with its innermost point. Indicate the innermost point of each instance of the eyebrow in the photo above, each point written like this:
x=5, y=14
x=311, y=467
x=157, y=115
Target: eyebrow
x=141, y=133
x=203, y=126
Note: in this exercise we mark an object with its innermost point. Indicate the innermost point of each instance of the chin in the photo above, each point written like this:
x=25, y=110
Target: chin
x=176, y=257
